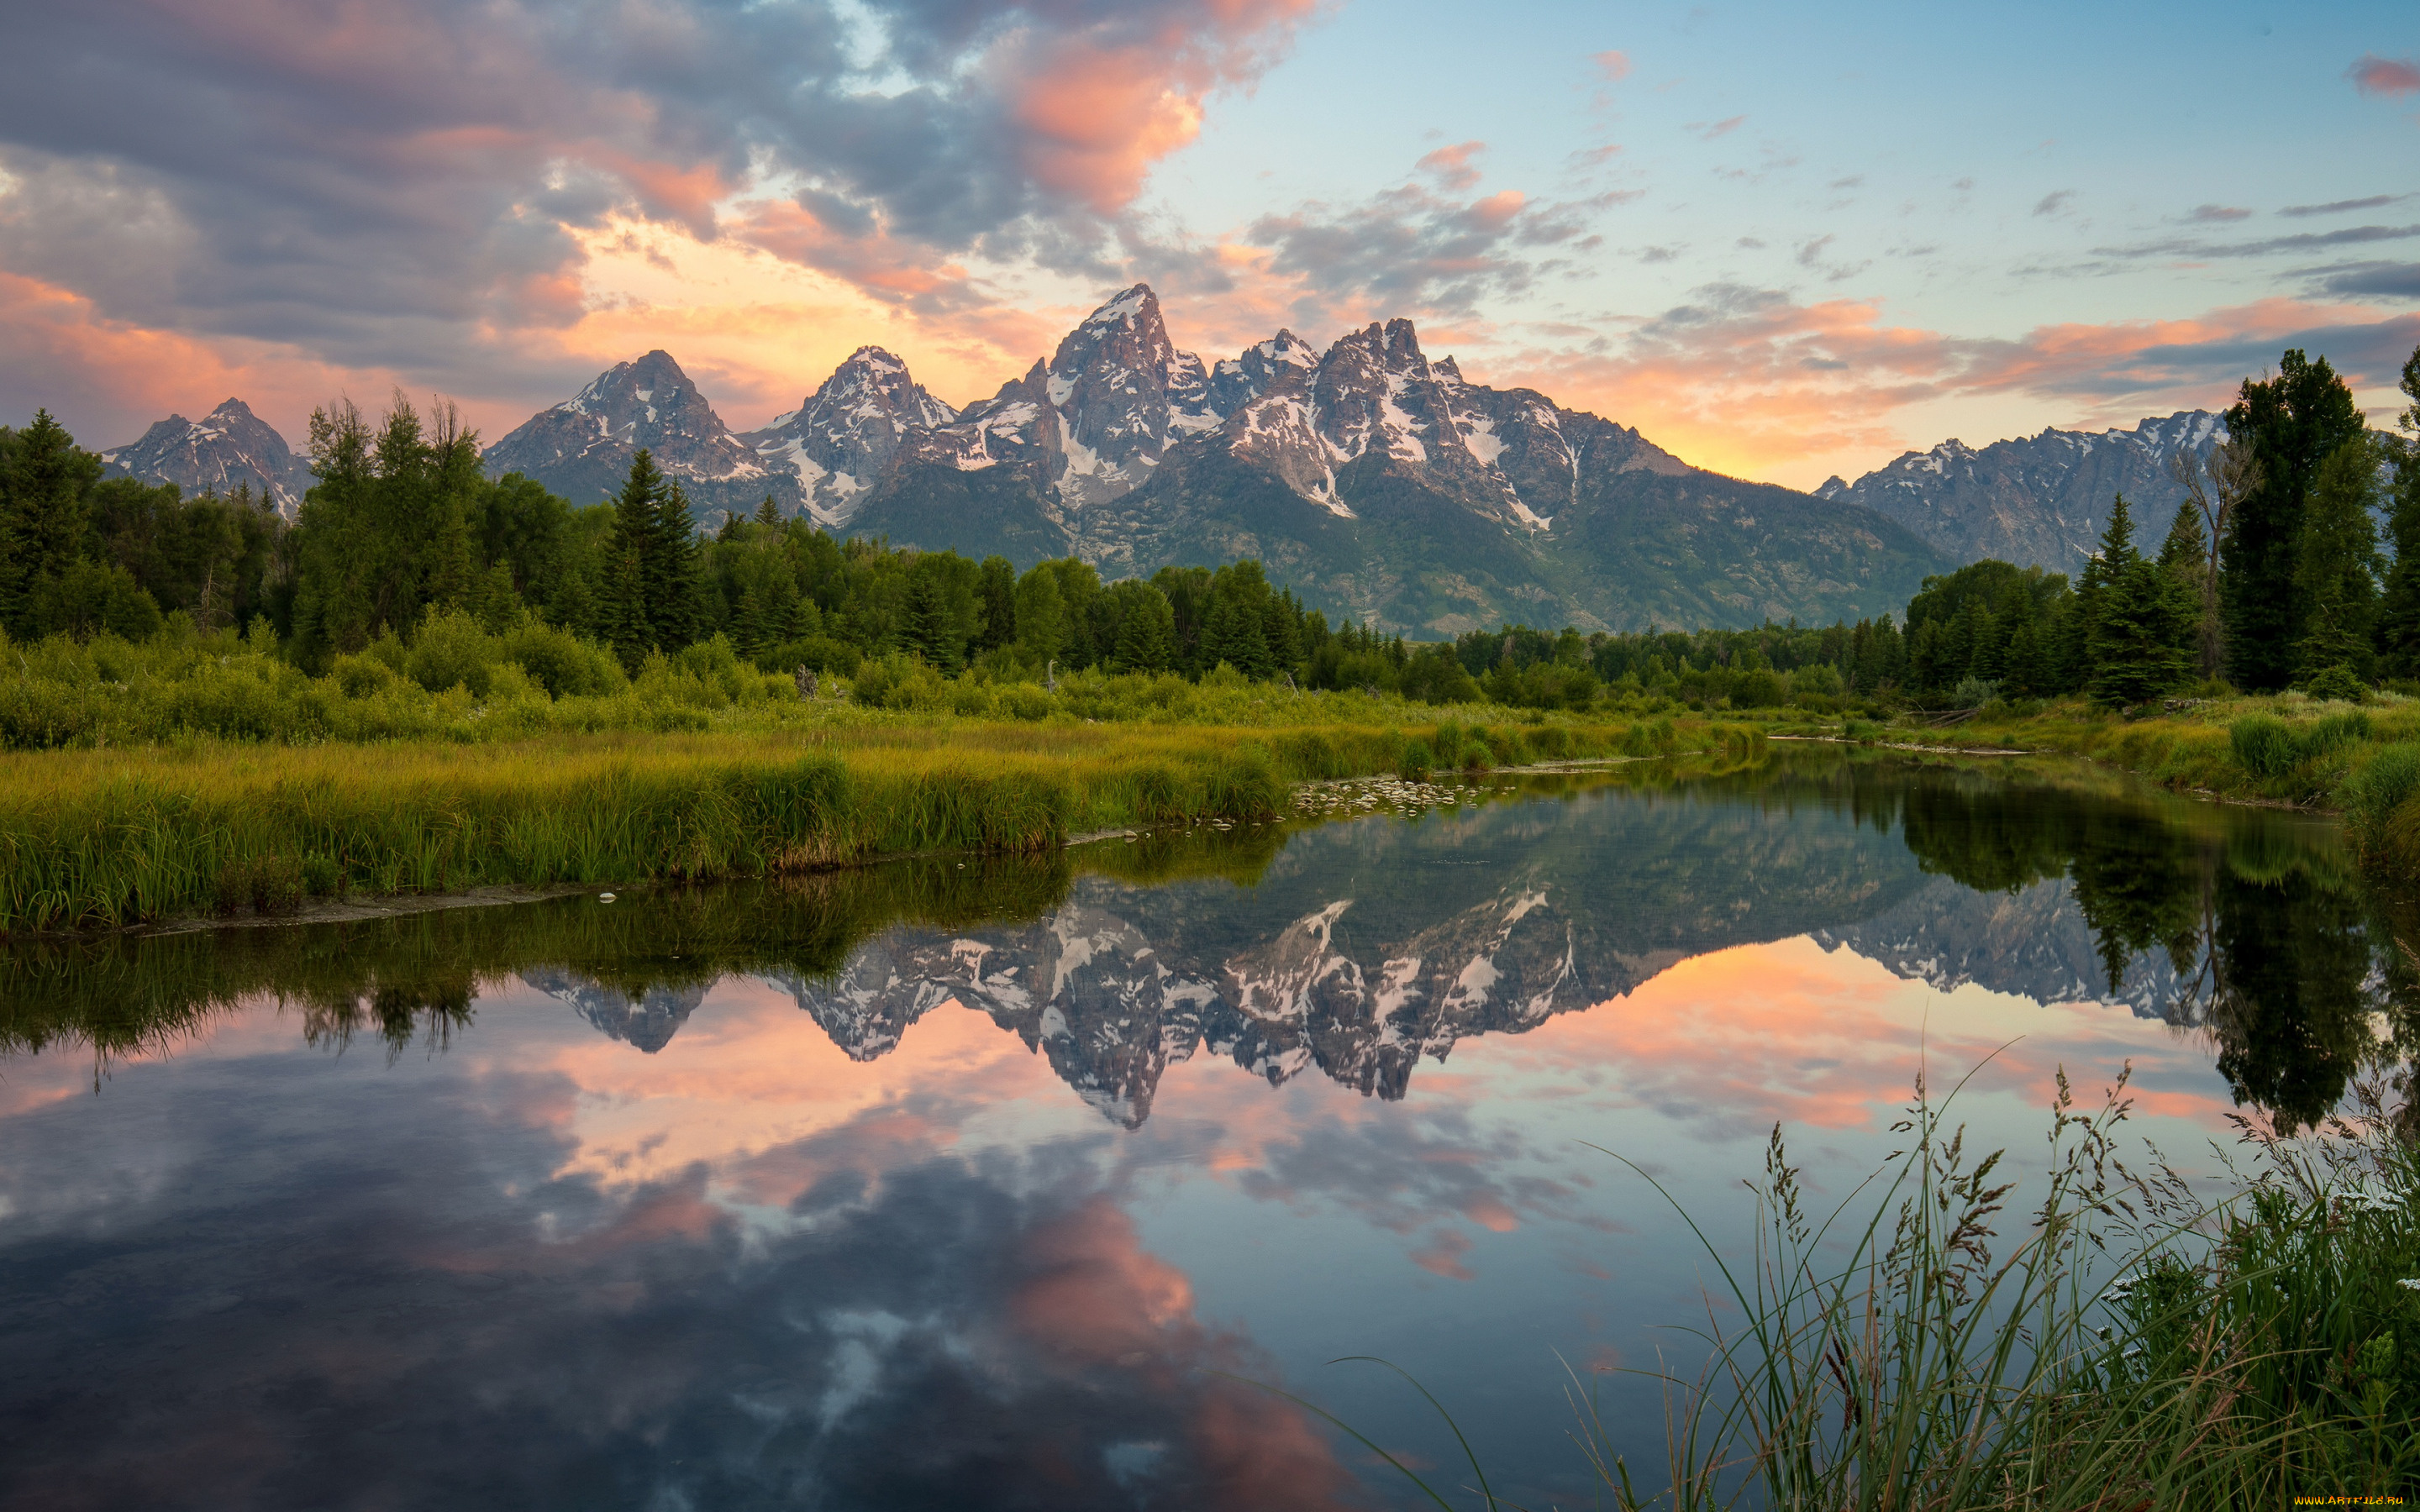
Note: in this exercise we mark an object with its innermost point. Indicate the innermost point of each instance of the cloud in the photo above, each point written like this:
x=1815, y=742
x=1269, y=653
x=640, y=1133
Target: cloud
x=2341, y=205
x=1411, y=250
x=2269, y=246
x=1749, y=379
x=2054, y=201
x=2375, y=75
x=1451, y=167
x=1613, y=67
x=1708, y=131
x=2218, y=213
x=413, y=188
x=2384, y=280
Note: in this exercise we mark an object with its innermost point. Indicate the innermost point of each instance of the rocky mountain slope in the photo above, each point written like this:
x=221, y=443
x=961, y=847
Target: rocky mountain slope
x=581, y=448
x=1380, y=485
x=2039, y=499
x=227, y=449
x=841, y=440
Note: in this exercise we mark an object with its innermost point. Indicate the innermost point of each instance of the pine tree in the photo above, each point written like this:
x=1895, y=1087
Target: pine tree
x=1146, y=630
x=996, y=603
x=2184, y=556
x=2336, y=565
x=2135, y=639
x=2292, y=424
x=631, y=546
x=768, y=516
x=44, y=481
x=750, y=627
x=2398, y=617
x=671, y=570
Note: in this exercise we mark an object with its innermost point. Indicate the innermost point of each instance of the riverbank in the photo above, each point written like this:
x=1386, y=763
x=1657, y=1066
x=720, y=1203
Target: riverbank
x=111, y=838
x=2360, y=762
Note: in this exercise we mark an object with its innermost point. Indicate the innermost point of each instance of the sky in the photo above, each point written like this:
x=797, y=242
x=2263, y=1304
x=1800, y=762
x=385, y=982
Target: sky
x=1783, y=241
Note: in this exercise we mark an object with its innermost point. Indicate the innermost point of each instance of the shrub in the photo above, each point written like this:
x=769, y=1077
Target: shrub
x=1412, y=764
x=2264, y=744
x=1973, y=692
x=2335, y=683
x=562, y=663
x=450, y=649
x=2380, y=788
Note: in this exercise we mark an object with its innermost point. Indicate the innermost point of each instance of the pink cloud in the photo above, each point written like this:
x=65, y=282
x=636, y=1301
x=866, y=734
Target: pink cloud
x=2375, y=75
x=1103, y=105
x=1452, y=166
x=1748, y=382
x=1614, y=66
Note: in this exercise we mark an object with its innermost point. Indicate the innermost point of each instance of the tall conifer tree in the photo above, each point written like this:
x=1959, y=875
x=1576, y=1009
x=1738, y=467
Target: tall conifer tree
x=2292, y=424
x=2336, y=565
x=2136, y=635
x=2398, y=619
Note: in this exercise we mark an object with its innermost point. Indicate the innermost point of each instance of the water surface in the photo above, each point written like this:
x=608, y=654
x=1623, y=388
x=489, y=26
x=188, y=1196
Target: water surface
x=978, y=1183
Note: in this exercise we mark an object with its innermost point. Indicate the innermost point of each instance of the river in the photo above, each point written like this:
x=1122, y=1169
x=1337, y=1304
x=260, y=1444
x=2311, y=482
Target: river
x=1019, y=1183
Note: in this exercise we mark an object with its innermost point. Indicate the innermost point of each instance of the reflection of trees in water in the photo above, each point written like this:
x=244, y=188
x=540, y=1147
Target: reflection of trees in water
x=2280, y=951
x=2248, y=924
x=398, y=1013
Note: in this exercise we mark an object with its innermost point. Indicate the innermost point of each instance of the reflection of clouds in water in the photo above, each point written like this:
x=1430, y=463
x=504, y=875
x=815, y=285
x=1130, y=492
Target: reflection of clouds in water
x=379, y=1301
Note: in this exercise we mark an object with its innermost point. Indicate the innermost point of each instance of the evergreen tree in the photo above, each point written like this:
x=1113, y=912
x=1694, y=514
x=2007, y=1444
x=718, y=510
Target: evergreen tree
x=2292, y=424
x=1146, y=628
x=630, y=548
x=996, y=600
x=767, y=516
x=43, y=481
x=2336, y=565
x=2136, y=637
x=1233, y=635
x=2398, y=617
x=2185, y=557
x=671, y=570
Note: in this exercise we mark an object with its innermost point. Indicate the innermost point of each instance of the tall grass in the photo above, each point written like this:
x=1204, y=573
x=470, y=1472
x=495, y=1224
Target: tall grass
x=2134, y=1347
x=107, y=838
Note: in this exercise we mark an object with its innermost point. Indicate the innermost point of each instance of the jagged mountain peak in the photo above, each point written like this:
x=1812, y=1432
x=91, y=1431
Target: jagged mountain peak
x=2041, y=499
x=226, y=450
x=581, y=448
x=840, y=441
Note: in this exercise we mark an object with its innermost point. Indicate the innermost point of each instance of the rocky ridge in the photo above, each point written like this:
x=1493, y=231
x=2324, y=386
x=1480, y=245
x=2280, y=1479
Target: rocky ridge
x=228, y=449
x=581, y=448
x=2041, y=499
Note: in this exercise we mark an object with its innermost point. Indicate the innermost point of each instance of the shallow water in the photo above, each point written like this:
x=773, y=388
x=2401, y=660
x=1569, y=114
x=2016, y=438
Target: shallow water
x=996, y=1185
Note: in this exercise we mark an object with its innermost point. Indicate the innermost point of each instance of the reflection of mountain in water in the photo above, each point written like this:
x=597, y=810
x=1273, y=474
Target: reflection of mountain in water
x=648, y=1022
x=1366, y=946
x=2033, y=943
x=1362, y=946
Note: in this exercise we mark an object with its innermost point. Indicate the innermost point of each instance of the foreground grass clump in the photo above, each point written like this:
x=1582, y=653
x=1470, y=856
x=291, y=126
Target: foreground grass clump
x=2133, y=1348
x=111, y=838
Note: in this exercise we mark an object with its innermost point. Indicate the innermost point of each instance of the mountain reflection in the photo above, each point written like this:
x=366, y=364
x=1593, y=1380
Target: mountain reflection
x=1357, y=948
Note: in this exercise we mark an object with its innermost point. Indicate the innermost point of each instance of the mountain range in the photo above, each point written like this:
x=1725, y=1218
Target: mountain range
x=1368, y=946
x=2038, y=499
x=1378, y=483
x=230, y=448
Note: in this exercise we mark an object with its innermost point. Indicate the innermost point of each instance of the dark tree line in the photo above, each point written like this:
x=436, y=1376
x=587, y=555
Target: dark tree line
x=402, y=522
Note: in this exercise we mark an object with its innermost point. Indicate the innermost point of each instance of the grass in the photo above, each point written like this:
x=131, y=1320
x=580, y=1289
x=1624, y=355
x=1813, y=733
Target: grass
x=111, y=838
x=2135, y=1347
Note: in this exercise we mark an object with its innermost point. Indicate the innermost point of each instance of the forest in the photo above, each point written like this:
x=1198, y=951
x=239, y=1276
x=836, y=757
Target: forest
x=2270, y=575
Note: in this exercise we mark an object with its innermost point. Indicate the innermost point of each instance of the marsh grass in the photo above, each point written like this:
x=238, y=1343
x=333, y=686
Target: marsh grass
x=2133, y=1347
x=111, y=838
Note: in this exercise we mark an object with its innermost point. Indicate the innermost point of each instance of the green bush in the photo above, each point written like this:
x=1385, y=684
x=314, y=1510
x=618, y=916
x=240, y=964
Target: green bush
x=1412, y=764
x=2335, y=683
x=450, y=649
x=2264, y=746
x=2380, y=788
